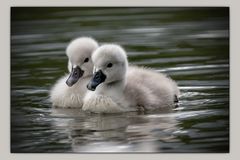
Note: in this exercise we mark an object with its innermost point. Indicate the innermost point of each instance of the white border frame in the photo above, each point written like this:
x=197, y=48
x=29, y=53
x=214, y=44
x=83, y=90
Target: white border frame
x=5, y=79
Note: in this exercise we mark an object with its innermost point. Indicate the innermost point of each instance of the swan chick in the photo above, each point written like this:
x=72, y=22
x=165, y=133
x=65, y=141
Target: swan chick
x=115, y=87
x=69, y=90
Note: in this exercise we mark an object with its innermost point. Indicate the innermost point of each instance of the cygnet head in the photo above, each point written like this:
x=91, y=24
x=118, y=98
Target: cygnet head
x=79, y=53
x=110, y=65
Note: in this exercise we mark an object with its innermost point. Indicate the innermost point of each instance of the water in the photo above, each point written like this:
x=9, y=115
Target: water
x=189, y=44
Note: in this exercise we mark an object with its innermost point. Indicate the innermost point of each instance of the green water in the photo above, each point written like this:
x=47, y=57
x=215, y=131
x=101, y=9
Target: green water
x=189, y=44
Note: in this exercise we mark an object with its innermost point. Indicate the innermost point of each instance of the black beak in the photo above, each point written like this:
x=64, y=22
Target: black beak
x=75, y=74
x=98, y=78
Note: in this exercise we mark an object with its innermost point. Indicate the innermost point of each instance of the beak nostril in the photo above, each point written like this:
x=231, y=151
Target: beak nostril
x=97, y=79
x=75, y=74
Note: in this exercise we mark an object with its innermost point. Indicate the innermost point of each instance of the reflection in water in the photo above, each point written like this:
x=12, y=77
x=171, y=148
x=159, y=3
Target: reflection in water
x=120, y=129
x=189, y=44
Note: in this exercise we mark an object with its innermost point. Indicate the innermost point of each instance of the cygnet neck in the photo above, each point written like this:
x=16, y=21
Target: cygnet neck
x=112, y=87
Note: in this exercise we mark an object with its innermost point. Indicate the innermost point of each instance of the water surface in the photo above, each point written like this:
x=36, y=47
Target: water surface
x=189, y=44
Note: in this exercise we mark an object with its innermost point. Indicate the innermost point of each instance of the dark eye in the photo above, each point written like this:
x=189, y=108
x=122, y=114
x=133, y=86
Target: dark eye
x=109, y=65
x=86, y=60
